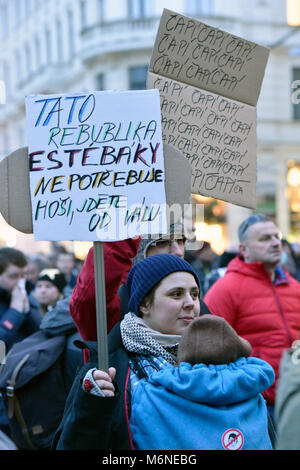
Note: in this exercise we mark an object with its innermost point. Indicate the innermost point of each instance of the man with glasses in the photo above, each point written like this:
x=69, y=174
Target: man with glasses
x=257, y=296
x=173, y=245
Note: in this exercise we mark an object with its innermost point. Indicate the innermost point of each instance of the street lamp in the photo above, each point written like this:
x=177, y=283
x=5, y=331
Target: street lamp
x=292, y=19
x=293, y=12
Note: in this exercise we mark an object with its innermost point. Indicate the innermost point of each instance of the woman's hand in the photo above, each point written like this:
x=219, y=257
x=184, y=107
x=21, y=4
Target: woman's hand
x=104, y=381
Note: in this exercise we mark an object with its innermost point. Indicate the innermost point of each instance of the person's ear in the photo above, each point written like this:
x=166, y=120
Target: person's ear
x=242, y=248
x=144, y=309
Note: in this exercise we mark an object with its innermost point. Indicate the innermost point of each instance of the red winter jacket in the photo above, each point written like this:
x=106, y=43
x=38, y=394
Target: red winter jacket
x=265, y=313
x=117, y=262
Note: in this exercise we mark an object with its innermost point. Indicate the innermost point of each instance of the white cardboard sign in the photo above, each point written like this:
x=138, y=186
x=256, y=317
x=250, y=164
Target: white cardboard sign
x=96, y=165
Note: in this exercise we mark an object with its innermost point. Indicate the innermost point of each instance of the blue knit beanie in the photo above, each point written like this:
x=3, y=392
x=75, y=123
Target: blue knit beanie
x=150, y=271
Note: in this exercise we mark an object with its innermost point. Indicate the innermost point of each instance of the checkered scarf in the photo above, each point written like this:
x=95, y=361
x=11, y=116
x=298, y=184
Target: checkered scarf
x=138, y=338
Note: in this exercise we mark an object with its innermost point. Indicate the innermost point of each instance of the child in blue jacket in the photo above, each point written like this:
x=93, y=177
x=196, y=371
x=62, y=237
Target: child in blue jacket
x=211, y=401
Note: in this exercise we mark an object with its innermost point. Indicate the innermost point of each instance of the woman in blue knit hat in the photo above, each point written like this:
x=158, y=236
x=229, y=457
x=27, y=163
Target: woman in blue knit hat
x=169, y=367
x=164, y=299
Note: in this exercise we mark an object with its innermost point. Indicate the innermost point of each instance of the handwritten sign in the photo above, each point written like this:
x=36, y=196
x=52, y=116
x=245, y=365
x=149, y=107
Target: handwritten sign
x=216, y=135
x=209, y=83
x=96, y=165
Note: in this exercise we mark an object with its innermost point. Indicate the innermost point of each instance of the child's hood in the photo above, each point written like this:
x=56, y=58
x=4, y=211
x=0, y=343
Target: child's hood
x=219, y=385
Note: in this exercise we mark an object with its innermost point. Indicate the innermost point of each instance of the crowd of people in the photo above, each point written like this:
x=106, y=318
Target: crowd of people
x=210, y=340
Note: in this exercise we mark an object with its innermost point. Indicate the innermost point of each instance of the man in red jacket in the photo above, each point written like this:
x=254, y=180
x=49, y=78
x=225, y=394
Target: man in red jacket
x=259, y=298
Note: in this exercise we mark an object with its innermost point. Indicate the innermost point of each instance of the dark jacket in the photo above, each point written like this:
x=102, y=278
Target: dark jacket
x=52, y=363
x=15, y=326
x=56, y=322
x=92, y=422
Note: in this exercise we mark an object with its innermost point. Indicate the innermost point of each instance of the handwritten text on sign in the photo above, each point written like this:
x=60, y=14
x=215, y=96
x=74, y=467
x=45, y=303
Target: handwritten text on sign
x=215, y=134
x=200, y=55
x=209, y=82
x=96, y=165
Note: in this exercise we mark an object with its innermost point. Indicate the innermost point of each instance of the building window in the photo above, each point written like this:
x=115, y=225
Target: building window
x=296, y=94
x=204, y=7
x=136, y=8
x=101, y=10
x=292, y=192
x=48, y=46
x=28, y=60
x=6, y=78
x=27, y=5
x=37, y=51
x=138, y=77
x=18, y=64
x=71, y=37
x=100, y=82
x=18, y=15
x=59, y=43
x=83, y=13
x=4, y=21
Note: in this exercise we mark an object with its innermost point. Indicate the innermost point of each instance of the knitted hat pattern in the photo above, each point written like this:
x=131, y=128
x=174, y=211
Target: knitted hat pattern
x=54, y=276
x=148, y=272
x=210, y=339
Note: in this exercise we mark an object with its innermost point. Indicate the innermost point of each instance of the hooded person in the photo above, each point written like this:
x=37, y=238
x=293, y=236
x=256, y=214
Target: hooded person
x=49, y=288
x=216, y=389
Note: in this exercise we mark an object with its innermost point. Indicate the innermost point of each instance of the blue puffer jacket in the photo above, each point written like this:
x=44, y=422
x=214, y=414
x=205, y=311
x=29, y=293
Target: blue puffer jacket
x=203, y=407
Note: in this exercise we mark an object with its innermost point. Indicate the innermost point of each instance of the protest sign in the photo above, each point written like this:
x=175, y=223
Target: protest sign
x=209, y=82
x=96, y=165
x=16, y=209
x=15, y=198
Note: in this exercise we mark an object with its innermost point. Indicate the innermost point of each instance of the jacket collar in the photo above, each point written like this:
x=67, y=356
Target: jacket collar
x=280, y=276
x=257, y=269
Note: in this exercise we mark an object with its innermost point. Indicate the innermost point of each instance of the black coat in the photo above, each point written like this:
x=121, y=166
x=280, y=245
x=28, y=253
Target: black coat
x=92, y=422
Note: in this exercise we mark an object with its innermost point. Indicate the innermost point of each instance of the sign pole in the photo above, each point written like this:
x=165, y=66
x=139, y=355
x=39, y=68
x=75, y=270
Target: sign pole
x=100, y=306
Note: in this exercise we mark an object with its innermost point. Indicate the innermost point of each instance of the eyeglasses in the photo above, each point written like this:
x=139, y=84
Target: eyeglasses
x=161, y=243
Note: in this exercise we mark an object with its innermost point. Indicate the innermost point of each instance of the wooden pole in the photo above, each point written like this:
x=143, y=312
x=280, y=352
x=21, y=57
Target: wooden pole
x=100, y=306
